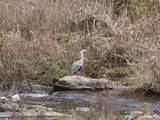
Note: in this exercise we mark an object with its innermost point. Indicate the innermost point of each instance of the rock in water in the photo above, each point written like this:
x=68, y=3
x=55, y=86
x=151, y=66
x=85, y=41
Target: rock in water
x=3, y=99
x=11, y=109
x=82, y=109
x=15, y=98
x=83, y=83
x=138, y=115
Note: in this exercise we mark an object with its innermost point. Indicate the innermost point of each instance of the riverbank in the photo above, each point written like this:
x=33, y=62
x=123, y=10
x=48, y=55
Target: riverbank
x=74, y=105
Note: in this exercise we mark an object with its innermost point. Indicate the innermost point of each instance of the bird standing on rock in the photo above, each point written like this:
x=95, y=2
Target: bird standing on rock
x=78, y=65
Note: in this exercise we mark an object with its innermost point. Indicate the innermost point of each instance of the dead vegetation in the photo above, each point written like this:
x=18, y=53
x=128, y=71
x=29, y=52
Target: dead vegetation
x=39, y=40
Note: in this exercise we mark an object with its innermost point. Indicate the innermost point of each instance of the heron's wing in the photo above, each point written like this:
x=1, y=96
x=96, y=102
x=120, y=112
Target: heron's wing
x=76, y=67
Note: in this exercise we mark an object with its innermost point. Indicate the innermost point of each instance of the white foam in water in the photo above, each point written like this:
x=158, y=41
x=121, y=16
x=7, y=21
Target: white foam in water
x=34, y=95
x=54, y=93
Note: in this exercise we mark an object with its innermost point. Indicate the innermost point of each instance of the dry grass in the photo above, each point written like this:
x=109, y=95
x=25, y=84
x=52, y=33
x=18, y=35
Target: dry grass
x=39, y=40
x=34, y=42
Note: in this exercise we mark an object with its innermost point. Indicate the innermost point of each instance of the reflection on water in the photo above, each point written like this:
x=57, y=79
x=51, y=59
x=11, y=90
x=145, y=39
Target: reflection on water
x=88, y=98
x=34, y=95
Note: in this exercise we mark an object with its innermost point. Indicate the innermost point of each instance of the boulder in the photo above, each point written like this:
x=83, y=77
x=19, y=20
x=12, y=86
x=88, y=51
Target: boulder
x=82, y=109
x=83, y=83
x=3, y=99
x=138, y=115
x=33, y=113
x=14, y=98
x=35, y=89
x=11, y=109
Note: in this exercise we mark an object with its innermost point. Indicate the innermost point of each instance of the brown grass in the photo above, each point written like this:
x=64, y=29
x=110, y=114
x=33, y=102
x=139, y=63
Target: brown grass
x=39, y=40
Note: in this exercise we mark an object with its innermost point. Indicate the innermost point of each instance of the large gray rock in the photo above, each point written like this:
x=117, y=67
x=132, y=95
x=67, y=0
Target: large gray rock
x=14, y=98
x=33, y=113
x=11, y=109
x=83, y=83
x=35, y=89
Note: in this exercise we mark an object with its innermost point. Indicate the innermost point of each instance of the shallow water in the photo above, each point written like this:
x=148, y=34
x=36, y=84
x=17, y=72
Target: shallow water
x=67, y=100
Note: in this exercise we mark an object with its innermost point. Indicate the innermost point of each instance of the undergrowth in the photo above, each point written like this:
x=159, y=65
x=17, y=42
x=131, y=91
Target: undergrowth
x=39, y=40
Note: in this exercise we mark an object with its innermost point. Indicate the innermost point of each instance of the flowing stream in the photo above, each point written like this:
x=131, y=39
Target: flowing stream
x=70, y=100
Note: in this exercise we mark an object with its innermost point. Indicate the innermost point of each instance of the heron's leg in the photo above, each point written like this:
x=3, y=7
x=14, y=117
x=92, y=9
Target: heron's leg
x=83, y=71
x=77, y=75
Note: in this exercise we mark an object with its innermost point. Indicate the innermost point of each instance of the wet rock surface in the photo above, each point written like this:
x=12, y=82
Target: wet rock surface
x=11, y=109
x=83, y=83
x=138, y=115
x=35, y=89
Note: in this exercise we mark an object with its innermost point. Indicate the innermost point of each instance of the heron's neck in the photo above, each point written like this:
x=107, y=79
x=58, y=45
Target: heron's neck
x=82, y=57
